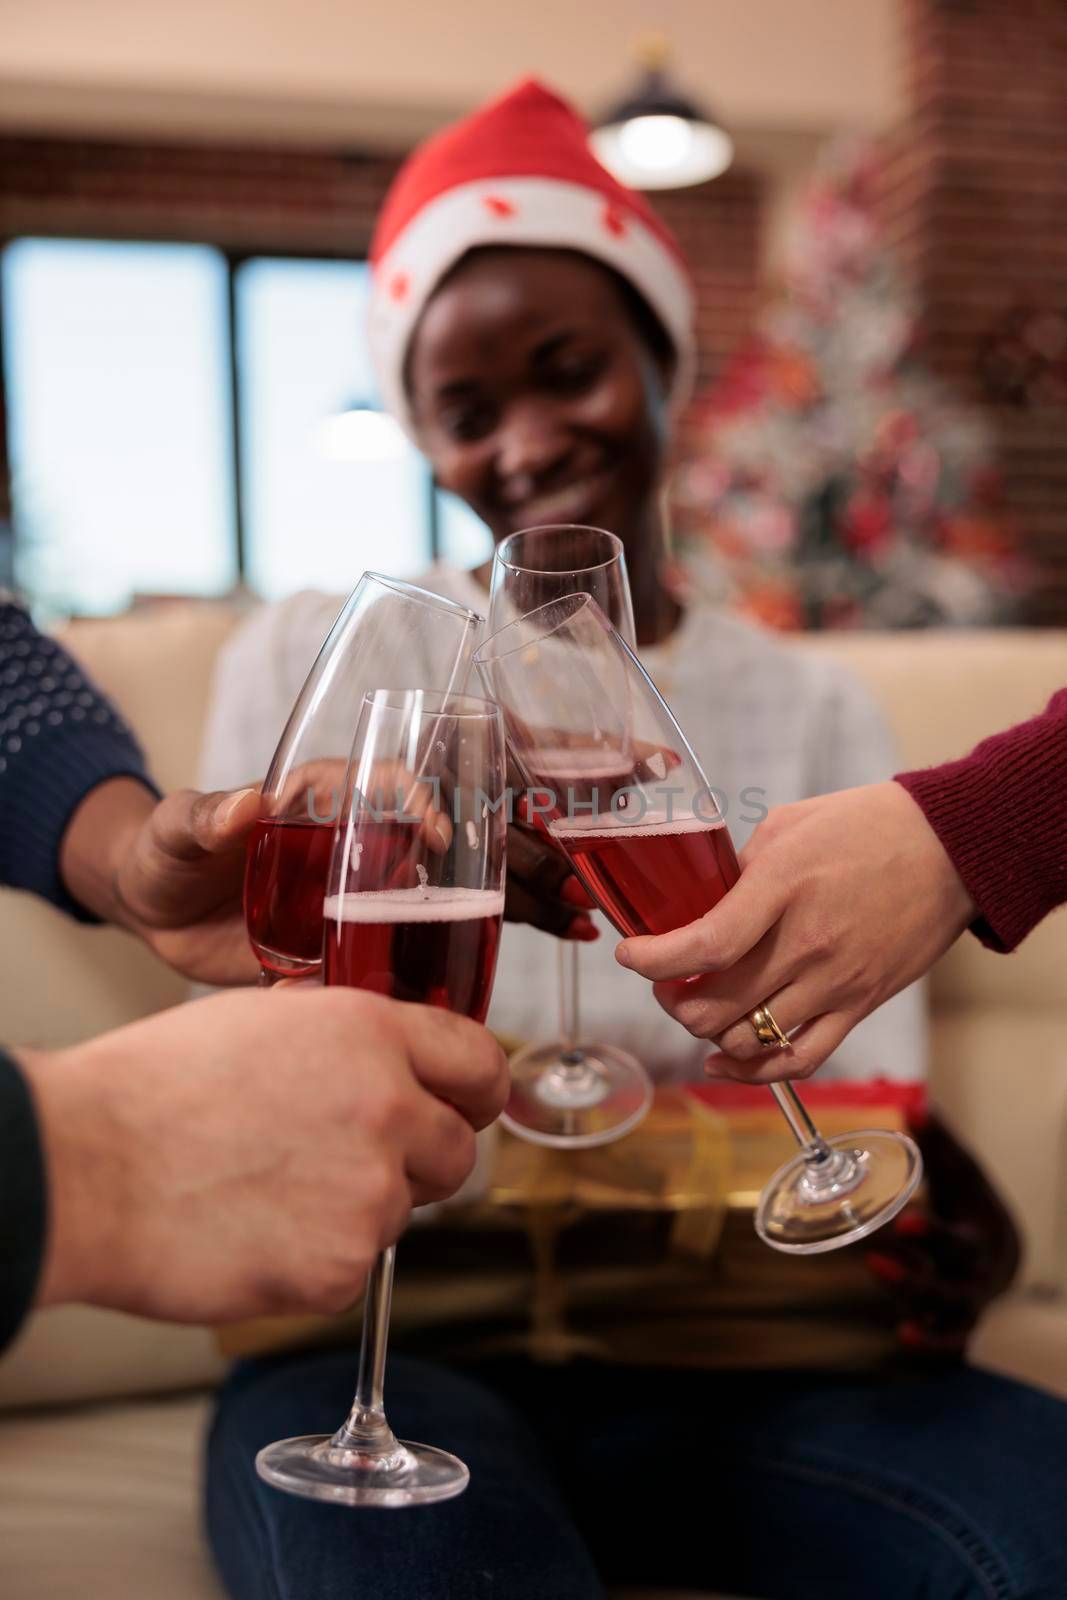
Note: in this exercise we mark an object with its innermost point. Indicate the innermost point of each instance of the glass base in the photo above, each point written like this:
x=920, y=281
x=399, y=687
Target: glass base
x=578, y=1098
x=317, y=1468
x=810, y=1206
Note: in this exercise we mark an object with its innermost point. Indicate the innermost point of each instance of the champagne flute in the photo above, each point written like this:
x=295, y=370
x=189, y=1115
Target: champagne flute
x=569, y=1093
x=658, y=856
x=413, y=910
x=388, y=635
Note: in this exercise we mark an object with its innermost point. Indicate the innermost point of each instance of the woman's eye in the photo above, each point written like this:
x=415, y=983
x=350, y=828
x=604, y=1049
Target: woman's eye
x=467, y=422
x=575, y=373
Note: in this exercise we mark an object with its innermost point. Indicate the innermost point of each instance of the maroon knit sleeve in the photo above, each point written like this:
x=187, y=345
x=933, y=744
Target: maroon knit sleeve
x=1001, y=814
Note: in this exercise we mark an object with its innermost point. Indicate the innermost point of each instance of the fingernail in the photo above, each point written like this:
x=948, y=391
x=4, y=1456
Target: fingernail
x=912, y=1225
x=226, y=812
x=885, y=1267
x=575, y=893
x=622, y=956
x=583, y=928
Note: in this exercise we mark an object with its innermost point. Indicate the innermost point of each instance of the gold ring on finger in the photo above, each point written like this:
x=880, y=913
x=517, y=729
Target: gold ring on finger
x=767, y=1031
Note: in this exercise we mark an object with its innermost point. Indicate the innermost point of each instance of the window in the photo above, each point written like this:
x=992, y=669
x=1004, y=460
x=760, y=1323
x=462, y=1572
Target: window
x=462, y=538
x=315, y=517
x=119, y=429
x=135, y=467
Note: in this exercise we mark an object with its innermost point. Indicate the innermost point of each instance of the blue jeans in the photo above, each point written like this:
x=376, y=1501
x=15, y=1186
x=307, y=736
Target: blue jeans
x=946, y=1486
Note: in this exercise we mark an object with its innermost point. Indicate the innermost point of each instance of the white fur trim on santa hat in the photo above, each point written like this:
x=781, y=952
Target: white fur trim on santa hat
x=520, y=211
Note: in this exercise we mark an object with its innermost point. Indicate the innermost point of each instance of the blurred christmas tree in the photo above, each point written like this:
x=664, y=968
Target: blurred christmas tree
x=830, y=481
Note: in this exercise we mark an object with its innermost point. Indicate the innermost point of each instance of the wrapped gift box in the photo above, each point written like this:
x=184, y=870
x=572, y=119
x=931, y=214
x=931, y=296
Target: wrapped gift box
x=639, y=1251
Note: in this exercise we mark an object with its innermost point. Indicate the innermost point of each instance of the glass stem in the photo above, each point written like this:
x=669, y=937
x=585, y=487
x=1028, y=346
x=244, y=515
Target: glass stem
x=366, y=1428
x=569, y=1022
x=804, y=1130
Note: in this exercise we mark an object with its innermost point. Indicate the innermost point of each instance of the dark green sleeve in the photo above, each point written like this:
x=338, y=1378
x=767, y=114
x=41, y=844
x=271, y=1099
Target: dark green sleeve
x=23, y=1200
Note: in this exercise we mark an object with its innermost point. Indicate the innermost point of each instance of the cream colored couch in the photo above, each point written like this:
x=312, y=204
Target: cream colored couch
x=98, y=1479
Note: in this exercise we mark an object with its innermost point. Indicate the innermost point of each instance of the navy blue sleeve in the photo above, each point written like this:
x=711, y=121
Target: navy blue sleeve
x=59, y=738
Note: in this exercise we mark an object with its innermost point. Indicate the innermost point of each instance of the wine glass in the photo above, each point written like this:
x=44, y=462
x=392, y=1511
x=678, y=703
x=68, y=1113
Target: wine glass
x=569, y=1093
x=415, y=898
x=388, y=635
x=657, y=856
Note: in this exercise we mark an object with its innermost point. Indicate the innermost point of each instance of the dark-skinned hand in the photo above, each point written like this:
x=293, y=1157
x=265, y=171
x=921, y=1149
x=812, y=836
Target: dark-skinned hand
x=541, y=888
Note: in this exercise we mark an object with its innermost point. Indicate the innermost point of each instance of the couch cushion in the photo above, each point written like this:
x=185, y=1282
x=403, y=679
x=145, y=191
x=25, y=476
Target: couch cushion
x=80, y=1353
x=64, y=981
x=101, y=1504
x=157, y=664
x=1000, y=1076
x=1025, y=1337
x=944, y=689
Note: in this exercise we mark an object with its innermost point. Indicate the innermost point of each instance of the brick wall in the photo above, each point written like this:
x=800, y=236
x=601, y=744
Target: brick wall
x=976, y=197
x=314, y=201
x=240, y=198
x=719, y=225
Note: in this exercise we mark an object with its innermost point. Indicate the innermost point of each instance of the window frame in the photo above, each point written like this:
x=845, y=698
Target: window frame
x=233, y=259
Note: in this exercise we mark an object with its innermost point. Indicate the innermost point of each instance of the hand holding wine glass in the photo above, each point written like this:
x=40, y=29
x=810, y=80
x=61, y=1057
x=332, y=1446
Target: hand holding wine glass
x=263, y=1146
x=655, y=853
x=388, y=635
x=542, y=889
x=414, y=902
x=820, y=921
x=167, y=870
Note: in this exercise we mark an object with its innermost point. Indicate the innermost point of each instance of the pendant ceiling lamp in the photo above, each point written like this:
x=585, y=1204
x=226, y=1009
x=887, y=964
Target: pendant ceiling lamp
x=656, y=137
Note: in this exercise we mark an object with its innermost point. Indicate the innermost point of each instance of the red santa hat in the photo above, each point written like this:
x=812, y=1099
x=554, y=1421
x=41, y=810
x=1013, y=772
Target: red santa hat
x=517, y=172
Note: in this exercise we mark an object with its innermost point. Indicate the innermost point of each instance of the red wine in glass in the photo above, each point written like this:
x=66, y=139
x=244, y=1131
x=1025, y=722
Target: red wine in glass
x=433, y=946
x=387, y=633
x=564, y=668
x=569, y=1091
x=286, y=876
x=287, y=865
x=586, y=776
x=565, y=784
x=412, y=911
x=654, y=875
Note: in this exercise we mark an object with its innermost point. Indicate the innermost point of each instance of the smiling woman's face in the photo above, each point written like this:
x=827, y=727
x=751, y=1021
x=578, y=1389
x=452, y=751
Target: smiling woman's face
x=536, y=395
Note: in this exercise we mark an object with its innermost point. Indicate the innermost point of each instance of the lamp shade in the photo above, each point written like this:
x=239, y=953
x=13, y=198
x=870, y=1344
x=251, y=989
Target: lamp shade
x=657, y=138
